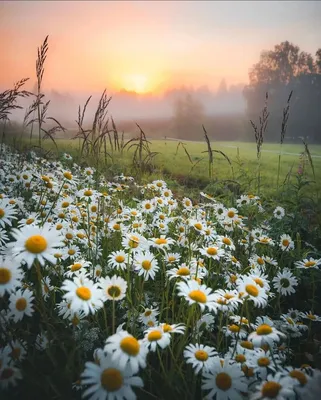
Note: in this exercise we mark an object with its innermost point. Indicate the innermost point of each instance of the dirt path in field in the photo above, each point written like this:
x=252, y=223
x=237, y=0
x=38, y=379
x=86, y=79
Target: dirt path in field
x=235, y=147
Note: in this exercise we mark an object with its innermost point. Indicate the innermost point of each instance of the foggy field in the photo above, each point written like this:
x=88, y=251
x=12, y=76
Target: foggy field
x=173, y=162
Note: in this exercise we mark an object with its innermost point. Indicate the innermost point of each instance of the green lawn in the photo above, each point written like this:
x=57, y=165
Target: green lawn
x=173, y=162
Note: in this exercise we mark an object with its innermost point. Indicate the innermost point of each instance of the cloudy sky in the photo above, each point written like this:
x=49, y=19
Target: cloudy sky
x=148, y=45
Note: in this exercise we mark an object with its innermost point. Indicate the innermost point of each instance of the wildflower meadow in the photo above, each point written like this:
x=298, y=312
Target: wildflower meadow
x=113, y=289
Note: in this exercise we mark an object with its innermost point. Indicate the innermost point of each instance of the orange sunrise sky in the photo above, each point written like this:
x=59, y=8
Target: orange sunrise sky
x=148, y=46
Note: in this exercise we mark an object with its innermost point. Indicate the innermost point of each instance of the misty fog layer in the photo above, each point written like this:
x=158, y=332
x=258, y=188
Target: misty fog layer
x=126, y=105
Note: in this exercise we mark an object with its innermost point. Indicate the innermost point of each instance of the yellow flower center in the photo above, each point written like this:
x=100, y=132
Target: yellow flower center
x=130, y=345
x=148, y=206
x=240, y=358
x=201, y=355
x=114, y=291
x=71, y=252
x=228, y=296
x=21, y=304
x=29, y=221
x=260, y=261
x=198, y=226
x=259, y=282
x=167, y=328
x=133, y=242
x=150, y=323
x=147, y=313
x=83, y=293
x=45, y=178
x=80, y=235
x=309, y=264
x=183, y=271
x=94, y=208
x=171, y=259
x=5, y=275
x=75, y=267
x=111, y=379
x=223, y=381
x=198, y=296
x=264, y=329
x=59, y=227
x=263, y=362
x=212, y=251
x=88, y=192
x=231, y=214
x=61, y=215
x=161, y=241
x=247, y=344
x=119, y=259
x=285, y=242
x=227, y=241
x=234, y=328
x=271, y=389
x=153, y=336
x=299, y=375
x=69, y=236
x=65, y=204
x=68, y=175
x=36, y=244
x=252, y=290
x=147, y=265
x=248, y=372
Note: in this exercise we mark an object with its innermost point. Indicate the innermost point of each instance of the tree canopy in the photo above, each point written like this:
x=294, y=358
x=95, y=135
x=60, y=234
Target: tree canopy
x=278, y=72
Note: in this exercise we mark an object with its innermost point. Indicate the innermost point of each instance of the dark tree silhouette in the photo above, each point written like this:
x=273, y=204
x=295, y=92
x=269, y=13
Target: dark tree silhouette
x=279, y=72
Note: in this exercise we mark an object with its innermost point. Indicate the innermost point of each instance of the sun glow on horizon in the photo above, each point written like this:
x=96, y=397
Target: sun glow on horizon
x=138, y=83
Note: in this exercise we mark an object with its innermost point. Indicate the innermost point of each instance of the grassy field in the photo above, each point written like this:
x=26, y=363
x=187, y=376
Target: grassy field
x=189, y=165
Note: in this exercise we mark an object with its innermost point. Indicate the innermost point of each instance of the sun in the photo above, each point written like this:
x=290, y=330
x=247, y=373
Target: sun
x=136, y=82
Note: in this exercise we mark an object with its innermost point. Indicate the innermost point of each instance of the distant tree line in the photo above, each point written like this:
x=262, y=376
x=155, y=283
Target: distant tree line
x=277, y=73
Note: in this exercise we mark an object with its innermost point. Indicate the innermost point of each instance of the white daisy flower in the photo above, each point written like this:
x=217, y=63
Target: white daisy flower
x=284, y=282
x=113, y=288
x=146, y=264
x=149, y=313
x=277, y=387
x=225, y=380
x=193, y=292
x=155, y=336
x=16, y=350
x=250, y=290
x=265, y=333
x=279, y=212
x=33, y=243
x=162, y=242
x=125, y=348
x=286, y=242
x=308, y=263
x=9, y=376
x=200, y=356
x=83, y=294
x=10, y=275
x=263, y=362
x=212, y=251
x=173, y=328
x=20, y=304
x=311, y=316
x=118, y=259
x=107, y=380
x=7, y=213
